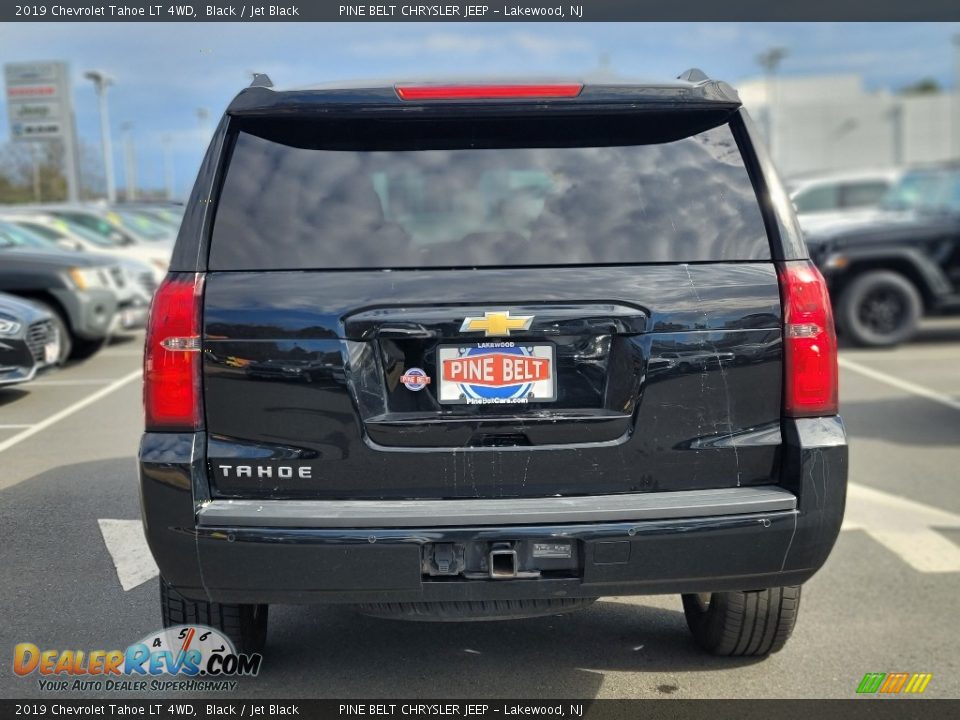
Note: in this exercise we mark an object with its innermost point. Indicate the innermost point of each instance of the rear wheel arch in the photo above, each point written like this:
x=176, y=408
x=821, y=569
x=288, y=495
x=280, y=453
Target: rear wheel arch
x=50, y=301
x=73, y=345
x=902, y=265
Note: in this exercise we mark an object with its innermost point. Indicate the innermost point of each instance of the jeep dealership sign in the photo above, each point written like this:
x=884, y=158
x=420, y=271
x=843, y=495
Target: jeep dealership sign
x=38, y=100
x=39, y=107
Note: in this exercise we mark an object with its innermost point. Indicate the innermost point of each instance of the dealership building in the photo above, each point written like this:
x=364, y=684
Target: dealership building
x=831, y=122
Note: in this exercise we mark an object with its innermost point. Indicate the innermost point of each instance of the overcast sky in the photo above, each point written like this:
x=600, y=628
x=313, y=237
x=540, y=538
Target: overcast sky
x=164, y=72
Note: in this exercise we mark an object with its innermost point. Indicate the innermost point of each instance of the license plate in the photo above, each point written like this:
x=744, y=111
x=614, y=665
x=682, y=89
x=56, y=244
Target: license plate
x=130, y=317
x=497, y=373
x=51, y=352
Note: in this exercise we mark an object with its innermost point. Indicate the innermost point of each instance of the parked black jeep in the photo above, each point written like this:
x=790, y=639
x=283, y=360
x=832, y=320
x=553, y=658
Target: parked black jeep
x=461, y=351
x=888, y=268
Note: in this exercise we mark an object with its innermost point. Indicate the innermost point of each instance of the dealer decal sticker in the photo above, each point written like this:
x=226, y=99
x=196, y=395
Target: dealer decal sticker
x=415, y=379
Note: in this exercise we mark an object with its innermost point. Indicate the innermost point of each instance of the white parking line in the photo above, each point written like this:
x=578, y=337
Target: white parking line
x=128, y=549
x=905, y=527
x=68, y=411
x=14, y=427
x=896, y=382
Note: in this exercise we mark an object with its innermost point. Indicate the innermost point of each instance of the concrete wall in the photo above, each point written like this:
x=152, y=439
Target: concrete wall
x=831, y=123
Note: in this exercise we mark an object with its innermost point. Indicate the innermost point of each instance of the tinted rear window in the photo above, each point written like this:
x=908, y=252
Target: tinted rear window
x=290, y=207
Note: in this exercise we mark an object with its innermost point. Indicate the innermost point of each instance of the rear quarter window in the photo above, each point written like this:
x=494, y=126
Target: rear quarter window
x=293, y=207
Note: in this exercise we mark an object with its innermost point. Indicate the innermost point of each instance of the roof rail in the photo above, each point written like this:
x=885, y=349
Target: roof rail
x=693, y=75
x=261, y=80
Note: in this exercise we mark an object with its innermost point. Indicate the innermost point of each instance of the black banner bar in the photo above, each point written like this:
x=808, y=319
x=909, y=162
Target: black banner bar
x=201, y=709
x=478, y=11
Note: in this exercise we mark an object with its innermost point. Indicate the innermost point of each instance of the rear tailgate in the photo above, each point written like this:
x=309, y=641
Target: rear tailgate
x=489, y=310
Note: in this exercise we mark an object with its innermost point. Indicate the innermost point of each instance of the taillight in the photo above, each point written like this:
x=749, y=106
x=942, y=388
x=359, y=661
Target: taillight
x=487, y=92
x=171, y=364
x=809, y=342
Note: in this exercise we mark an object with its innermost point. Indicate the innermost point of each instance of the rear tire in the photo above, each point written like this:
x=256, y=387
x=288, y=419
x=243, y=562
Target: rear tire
x=743, y=623
x=879, y=308
x=245, y=625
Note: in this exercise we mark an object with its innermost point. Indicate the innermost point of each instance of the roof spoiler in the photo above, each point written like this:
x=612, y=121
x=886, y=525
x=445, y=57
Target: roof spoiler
x=696, y=76
x=260, y=98
x=261, y=80
x=693, y=75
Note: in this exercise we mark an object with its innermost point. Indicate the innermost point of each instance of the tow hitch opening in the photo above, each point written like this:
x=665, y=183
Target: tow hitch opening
x=503, y=563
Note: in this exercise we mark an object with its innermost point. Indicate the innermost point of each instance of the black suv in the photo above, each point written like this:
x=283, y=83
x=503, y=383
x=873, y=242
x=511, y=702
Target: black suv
x=477, y=351
x=886, y=268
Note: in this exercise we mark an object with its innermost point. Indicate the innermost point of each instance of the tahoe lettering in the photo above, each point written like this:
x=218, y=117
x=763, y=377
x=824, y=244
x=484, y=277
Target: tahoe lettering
x=284, y=472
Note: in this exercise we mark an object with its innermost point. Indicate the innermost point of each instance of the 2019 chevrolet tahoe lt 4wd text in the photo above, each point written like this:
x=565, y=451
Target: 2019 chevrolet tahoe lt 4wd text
x=478, y=351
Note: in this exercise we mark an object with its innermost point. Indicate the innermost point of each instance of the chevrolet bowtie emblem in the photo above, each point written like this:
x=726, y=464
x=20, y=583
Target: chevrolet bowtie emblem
x=496, y=324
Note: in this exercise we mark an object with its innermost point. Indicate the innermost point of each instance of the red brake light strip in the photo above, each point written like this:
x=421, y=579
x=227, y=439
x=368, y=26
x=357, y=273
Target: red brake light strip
x=487, y=92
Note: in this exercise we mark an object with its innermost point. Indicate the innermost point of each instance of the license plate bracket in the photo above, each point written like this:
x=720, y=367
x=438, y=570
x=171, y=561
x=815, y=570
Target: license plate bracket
x=497, y=373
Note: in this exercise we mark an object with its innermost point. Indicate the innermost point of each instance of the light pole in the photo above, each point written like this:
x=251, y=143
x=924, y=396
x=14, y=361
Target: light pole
x=955, y=114
x=203, y=120
x=770, y=62
x=101, y=81
x=167, y=167
x=35, y=156
x=129, y=162
x=896, y=126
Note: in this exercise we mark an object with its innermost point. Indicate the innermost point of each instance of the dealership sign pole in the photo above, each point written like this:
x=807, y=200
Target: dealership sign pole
x=40, y=108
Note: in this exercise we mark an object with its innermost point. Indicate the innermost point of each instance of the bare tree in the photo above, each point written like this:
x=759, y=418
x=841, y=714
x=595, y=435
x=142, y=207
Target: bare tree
x=33, y=172
x=30, y=172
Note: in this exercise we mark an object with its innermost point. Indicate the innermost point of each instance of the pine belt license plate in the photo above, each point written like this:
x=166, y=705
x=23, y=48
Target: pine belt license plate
x=497, y=373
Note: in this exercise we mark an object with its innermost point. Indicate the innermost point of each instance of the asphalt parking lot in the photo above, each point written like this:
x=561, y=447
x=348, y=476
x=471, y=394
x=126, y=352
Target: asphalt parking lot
x=76, y=574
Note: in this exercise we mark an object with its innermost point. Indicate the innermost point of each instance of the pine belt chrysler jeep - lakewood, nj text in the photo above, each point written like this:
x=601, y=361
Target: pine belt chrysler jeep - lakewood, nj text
x=485, y=351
